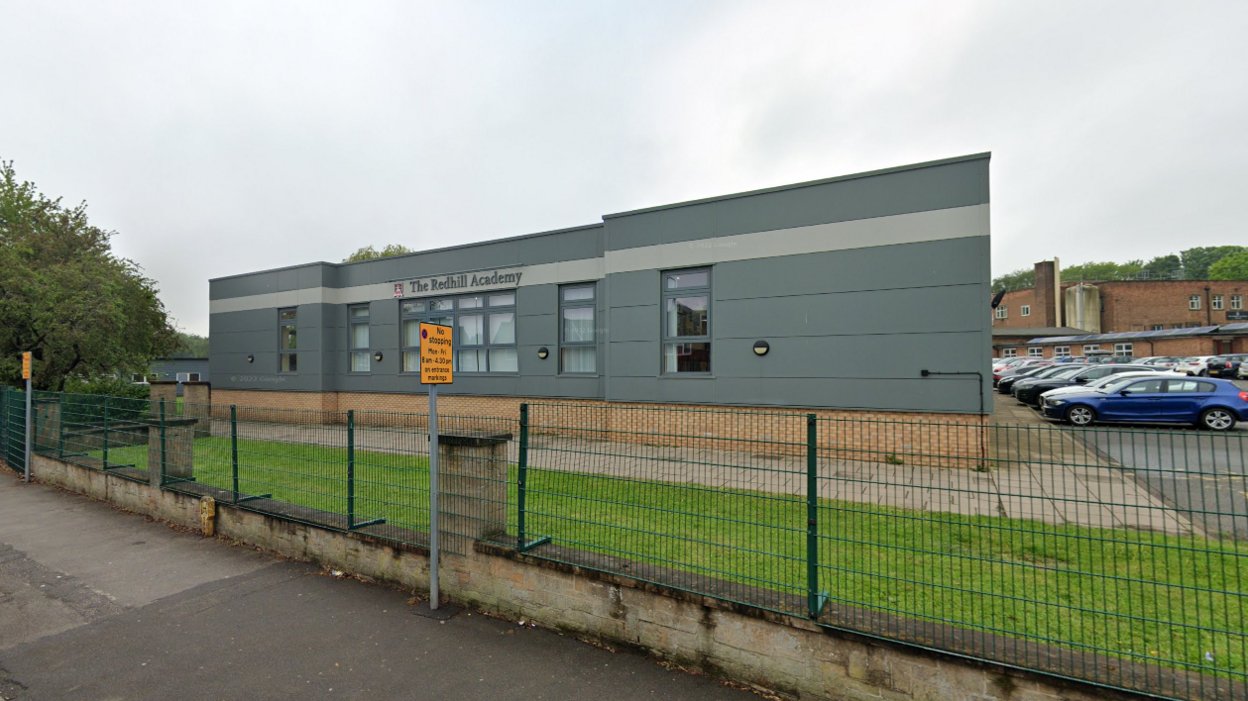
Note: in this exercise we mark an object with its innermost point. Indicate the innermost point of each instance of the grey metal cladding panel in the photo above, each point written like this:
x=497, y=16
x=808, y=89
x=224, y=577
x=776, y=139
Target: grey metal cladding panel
x=950, y=262
x=632, y=289
x=863, y=357
x=568, y=245
x=944, y=186
x=242, y=342
x=252, y=320
x=245, y=286
x=633, y=324
x=906, y=311
x=950, y=395
x=314, y=276
x=288, y=280
x=634, y=359
x=538, y=331
x=537, y=299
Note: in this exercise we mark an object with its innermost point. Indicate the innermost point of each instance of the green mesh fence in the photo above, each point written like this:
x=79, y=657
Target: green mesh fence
x=13, y=428
x=1115, y=556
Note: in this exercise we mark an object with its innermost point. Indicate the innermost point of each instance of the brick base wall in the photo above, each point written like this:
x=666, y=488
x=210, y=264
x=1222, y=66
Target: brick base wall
x=788, y=654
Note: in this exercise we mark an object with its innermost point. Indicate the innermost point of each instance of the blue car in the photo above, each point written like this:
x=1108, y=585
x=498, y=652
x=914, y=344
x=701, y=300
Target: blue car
x=1211, y=404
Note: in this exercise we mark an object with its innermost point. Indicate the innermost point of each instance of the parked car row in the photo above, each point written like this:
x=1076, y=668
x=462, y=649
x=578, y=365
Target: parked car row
x=1162, y=389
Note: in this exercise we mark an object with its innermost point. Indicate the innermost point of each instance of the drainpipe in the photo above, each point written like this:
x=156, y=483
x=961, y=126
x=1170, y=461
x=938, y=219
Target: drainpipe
x=1208, y=308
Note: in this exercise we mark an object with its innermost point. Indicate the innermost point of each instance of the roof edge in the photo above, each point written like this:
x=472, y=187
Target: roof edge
x=986, y=155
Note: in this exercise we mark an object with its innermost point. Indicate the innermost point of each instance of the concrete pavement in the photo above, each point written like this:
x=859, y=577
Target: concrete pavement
x=101, y=604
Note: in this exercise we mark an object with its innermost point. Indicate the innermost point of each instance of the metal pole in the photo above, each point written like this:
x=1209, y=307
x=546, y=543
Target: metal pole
x=234, y=447
x=812, y=518
x=162, y=442
x=105, y=465
x=523, y=470
x=433, y=497
x=350, y=469
x=26, y=474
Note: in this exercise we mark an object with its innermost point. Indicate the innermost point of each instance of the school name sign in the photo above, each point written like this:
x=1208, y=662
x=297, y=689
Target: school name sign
x=458, y=283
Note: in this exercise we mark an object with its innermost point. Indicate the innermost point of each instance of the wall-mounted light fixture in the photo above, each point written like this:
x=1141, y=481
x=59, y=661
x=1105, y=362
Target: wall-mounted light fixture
x=761, y=348
x=543, y=352
x=377, y=356
x=251, y=358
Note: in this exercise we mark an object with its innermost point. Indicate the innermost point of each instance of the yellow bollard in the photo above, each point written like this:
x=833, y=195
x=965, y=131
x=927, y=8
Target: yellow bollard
x=208, y=515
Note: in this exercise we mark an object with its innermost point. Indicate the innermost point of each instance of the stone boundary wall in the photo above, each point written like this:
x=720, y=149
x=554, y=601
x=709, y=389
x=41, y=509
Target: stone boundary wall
x=940, y=440
x=787, y=654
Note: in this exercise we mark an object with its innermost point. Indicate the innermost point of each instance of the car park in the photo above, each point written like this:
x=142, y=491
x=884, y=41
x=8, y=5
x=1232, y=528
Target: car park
x=1208, y=403
x=1193, y=365
x=1029, y=392
x=1225, y=366
x=1017, y=368
x=1107, y=381
x=1161, y=361
x=1007, y=381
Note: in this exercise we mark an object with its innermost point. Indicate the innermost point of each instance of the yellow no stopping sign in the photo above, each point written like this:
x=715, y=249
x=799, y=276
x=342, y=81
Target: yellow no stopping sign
x=437, y=353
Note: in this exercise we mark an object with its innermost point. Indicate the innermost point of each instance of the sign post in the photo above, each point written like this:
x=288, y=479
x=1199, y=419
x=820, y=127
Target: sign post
x=437, y=352
x=26, y=376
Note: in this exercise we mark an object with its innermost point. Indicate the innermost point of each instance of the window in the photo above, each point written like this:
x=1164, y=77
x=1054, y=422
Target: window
x=577, y=348
x=484, y=330
x=138, y=379
x=687, y=321
x=1145, y=387
x=1002, y=312
x=1094, y=348
x=1061, y=351
x=1035, y=352
x=1189, y=386
x=1025, y=310
x=182, y=376
x=1158, y=327
x=193, y=377
x=357, y=320
x=1123, y=349
x=1009, y=353
x=1216, y=303
x=287, y=340
x=1193, y=302
x=1237, y=301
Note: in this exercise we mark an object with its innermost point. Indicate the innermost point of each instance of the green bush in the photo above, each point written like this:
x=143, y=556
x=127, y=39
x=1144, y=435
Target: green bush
x=110, y=386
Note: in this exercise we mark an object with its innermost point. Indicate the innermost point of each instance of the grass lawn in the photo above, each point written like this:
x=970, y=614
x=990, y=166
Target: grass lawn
x=1126, y=593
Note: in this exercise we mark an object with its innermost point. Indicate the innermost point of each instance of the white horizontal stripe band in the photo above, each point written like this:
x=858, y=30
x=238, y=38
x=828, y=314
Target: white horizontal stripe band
x=919, y=227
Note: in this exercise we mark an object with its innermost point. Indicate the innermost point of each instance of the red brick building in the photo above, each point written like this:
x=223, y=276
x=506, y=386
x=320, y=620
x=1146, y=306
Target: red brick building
x=1144, y=317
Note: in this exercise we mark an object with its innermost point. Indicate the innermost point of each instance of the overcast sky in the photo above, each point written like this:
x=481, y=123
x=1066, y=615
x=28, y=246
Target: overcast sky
x=219, y=138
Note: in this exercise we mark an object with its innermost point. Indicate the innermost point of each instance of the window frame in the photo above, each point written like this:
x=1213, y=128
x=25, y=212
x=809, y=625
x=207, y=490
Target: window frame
x=1002, y=312
x=1217, y=303
x=1061, y=351
x=1009, y=352
x=1237, y=302
x=1193, y=303
x=1091, y=348
x=1124, y=350
x=428, y=314
x=352, y=350
x=1025, y=310
x=1035, y=352
x=592, y=305
x=283, y=352
x=665, y=339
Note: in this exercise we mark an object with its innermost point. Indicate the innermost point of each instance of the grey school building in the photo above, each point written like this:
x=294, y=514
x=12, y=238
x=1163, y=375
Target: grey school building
x=853, y=286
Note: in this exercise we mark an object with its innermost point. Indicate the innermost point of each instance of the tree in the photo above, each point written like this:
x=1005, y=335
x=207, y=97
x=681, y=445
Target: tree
x=1018, y=280
x=191, y=346
x=1095, y=272
x=1163, y=268
x=370, y=253
x=65, y=295
x=1232, y=267
x=1197, y=261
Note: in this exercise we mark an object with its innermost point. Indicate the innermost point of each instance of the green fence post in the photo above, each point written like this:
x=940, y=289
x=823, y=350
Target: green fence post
x=350, y=469
x=522, y=473
x=105, y=463
x=162, y=442
x=234, y=448
x=60, y=429
x=816, y=598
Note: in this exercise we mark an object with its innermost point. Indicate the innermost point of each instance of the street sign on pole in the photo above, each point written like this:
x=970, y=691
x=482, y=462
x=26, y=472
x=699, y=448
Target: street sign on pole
x=26, y=376
x=437, y=354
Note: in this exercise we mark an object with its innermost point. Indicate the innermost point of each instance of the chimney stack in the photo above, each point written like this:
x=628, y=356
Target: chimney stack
x=1048, y=293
